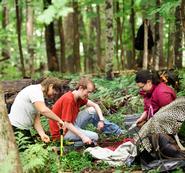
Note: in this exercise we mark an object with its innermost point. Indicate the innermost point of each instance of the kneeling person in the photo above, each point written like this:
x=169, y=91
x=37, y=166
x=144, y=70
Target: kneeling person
x=67, y=107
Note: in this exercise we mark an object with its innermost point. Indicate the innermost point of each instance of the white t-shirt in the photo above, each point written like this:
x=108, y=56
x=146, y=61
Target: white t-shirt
x=22, y=113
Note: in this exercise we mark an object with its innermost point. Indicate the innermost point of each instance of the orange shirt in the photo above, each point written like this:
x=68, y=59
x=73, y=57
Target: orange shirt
x=67, y=109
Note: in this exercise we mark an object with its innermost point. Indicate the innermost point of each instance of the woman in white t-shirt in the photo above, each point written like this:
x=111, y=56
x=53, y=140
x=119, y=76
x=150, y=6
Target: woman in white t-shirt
x=29, y=104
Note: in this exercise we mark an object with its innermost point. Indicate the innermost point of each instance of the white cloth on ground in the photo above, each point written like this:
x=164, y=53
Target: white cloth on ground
x=117, y=157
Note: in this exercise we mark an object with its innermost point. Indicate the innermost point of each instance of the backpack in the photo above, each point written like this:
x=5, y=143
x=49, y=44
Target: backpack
x=139, y=40
x=165, y=147
x=165, y=156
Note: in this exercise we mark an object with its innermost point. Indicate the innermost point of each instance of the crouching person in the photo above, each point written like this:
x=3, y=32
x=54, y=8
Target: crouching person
x=67, y=107
x=29, y=104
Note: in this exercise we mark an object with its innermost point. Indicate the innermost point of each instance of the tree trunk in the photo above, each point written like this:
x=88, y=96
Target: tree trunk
x=9, y=157
x=91, y=44
x=19, y=37
x=109, y=49
x=76, y=36
x=62, y=64
x=183, y=15
x=121, y=40
x=178, y=39
x=157, y=38
x=98, y=39
x=132, y=22
x=5, y=51
x=50, y=43
x=170, y=52
x=68, y=32
x=83, y=36
x=29, y=35
x=118, y=27
x=145, y=54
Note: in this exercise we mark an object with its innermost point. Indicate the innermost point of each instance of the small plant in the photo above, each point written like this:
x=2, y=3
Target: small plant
x=38, y=159
x=75, y=162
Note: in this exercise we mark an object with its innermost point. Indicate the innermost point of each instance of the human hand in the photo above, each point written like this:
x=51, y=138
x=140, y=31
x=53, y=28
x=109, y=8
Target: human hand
x=61, y=123
x=100, y=125
x=45, y=138
x=86, y=140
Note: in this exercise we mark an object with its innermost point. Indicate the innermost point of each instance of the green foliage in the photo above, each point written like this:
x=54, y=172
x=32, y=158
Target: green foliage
x=21, y=141
x=166, y=9
x=37, y=159
x=54, y=11
x=9, y=72
x=75, y=162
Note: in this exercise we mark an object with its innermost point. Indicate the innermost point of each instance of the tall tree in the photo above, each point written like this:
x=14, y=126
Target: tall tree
x=132, y=22
x=62, y=65
x=98, y=39
x=91, y=44
x=157, y=38
x=109, y=47
x=29, y=35
x=5, y=51
x=18, y=22
x=9, y=157
x=118, y=30
x=145, y=54
x=50, y=43
x=76, y=36
x=178, y=39
x=68, y=34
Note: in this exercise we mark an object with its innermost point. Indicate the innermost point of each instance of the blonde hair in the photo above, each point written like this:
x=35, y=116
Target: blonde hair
x=83, y=82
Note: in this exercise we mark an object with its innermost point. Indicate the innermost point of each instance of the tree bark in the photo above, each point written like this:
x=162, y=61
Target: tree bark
x=62, y=65
x=145, y=54
x=109, y=48
x=178, y=39
x=98, y=39
x=132, y=22
x=29, y=35
x=83, y=36
x=76, y=37
x=50, y=43
x=9, y=157
x=5, y=51
x=157, y=38
x=68, y=32
x=118, y=30
x=19, y=37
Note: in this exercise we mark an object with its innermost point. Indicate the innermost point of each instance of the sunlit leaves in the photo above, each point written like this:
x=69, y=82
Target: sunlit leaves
x=57, y=9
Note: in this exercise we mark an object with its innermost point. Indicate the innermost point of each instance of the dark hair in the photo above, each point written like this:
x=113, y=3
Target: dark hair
x=83, y=82
x=144, y=75
x=170, y=77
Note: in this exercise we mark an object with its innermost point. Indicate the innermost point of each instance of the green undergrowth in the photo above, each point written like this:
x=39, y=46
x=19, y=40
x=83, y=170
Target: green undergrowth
x=116, y=98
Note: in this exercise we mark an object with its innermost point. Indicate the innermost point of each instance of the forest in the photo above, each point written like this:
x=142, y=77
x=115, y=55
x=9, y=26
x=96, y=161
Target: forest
x=107, y=40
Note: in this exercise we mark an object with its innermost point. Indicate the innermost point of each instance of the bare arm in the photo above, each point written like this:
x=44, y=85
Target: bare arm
x=44, y=110
x=142, y=118
x=97, y=108
x=74, y=130
x=38, y=127
x=99, y=112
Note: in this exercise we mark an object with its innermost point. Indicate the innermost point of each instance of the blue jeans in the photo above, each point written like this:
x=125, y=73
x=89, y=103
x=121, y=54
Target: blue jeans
x=87, y=116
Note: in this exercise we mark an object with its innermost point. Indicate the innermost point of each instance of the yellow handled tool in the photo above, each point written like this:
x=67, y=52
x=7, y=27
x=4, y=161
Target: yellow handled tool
x=61, y=142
